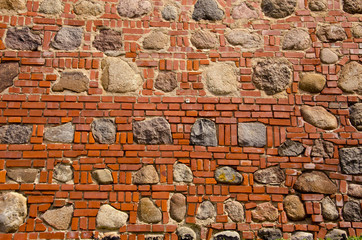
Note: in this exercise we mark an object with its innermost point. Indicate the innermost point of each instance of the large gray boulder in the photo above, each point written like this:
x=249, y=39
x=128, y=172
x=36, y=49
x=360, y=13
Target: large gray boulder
x=154, y=131
x=206, y=210
x=296, y=39
x=207, y=10
x=235, y=211
x=68, y=38
x=322, y=148
x=290, y=148
x=182, y=173
x=63, y=172
x=351, y=160
x=203, y=133
x=104, y=131
x=51, y=7
x=278, y=8
x=8, y=71
x=13, y=211
x=228, y=175
x=252, y=134
x=60, y=134
x=352, y=212
x=15, y=134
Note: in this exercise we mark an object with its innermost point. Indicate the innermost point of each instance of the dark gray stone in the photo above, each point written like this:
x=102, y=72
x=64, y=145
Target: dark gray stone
x=270, y=234
x=356, y=116
x=336, y=234
x=185, y=233
x=352, y=212
x=22, y=39
x=290, y=148
x=331, y=33
x=322, y=148
x=203, y=133
x=63, y=172
x=178, y=207
x=352, y=6
x=297, y=39
x=108, y=40
x=315, y=182
x=271, y=175
x=68, y=38
x=8, y=71
x=154, y=131
x=207, y=10
x=317, y=5
x=278, y=8
x=302, y=236
x=226, y=235
x=329, y=209
x=62, y=134
x=206, y=210
x=252, y=134
x=166, y=81
x=351, y=160
x=104, y=131
x=22, y=175
x=228, y=175
x=15, y=134
x=72, y=81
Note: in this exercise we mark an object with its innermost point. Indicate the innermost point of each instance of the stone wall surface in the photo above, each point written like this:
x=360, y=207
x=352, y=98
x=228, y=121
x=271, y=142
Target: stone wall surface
x=180, y=119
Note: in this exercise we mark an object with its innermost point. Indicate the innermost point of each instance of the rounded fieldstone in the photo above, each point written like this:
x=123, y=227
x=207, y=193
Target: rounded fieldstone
x=244, y=11
x=87, y=7
x=154, y=131
x=356, y=116
x=350, y=80
x=221, y=78
x=251, y=134
x=317, y=5
x=156, y=40
x=207, y=10
x=110, y=218
x=51, y=7
x=328, y=56
x=329, y=209
x=294, y=208
x=63, y=172
x=8, y=71
x=278, y=8
x=244, y=38
x=133, y=8
x=146, y=175
x=351, y=160
x=104, y=131
x=322, y=148
x=290, y=148
x=13, y=211
x=203, y=133
x=228, y=175
x=59, y=218
x=206, y=210
x=331, y=33
x=68, y=38
x=203, y=39
x=271, y=175
x=103, y=176
x=169, y=12
x=336, y=234
x=72, y=81
x=22, y=175
x=297, y=39
x=226, y=235
x=108, y=40
x=148, y=212
x=357, y=30
x=312, y=82
x=185, y=233
x=302, y=236
x=319, y=117
x=15, y=5
x=355, y=190
x=235, y=211
x=15, y=134
x=22, y=39
x=265, y=212
x=166, y=81
x=352, y=6
x=270, y=234
x=352, y=212
x=178, y=207
x=315, y=182
x=62, y=134
x=182, y=173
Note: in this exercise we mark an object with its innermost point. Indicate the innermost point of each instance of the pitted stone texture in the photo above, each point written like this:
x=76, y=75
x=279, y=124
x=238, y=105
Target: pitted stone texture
x=154, y=131
x=148, y=212
x=228, y=175
x=312, y=82
x=315, y=182
x=290, y=148
x=182, y=173
x=317, y=5
x=178, y=207
x=270, y=234
x=252, y=134
x=104, y=131
x=22, y=175
x=319, y=117
x=103, y=176
x=207, y=10
x=352, y=6
x=16, y=5
x=328, y=56
x=15, y=134
x=244, y=38
x=63, y=172
x=146, y=175
x=265, y=212
x=156, y=40
x=90, y=8
x=278, y=8
x=336, y=234
x=272, y=175
x=166, y=81
x=294, y=208
x=134, y=8
x=110, y=218
x=13, y=211
x=59, y=218
x=203, y=133
x=331, y=33
x=68, y=38
x=351, y=160
x=203, y=39
x=302, y=236
x=221, y=78
x=108, y=40
x=169, y=12
x=322, y=148
x=185, y=233
x=355, y=116
x=206, y=210
x=243, y=11
x=119, y=76
x=355, y=190
x=22, y=39
x=352, y=212
x=51, y=7
x=153, y=237
x=297, y=39
x=72, y=81
x=272, y=75
x=235, y=211
x=226, y=235
x=61, y=134
x=8, y=71
x=350, y=80
x=357, y=30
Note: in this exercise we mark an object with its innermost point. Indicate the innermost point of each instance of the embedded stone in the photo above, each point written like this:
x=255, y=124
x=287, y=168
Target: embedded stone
x=357, y=30
x=203, y=39
x=302, y=236
x=207, y=10
x=315, y=182
x=15, y=134
x=296, y=39
x=244, y=11
x=120, y=76
x=290, y=148
x=235, y=211
x=317, y=5
x=68, y=38
x=15, y=5
x=312, y=82
x=185, y=233
x=221, y=78
x=352, y=6
x=203, y=133
x=63, y=172
x=134, y=8
x=278, y=8
x=244, y=38
x=22, y=39
x=51, y=7
x=294, y=208
x=72, y=81
x=63, y=133
x=90, y=8
x=328, y=56
x=351, y=160
x=104, y=131
x=355, y=116
x=331, y=33
x=110, y=218
x=252, y=134
x=59, y=218
x=154, y=237
x=270, y=233
x=322, y=148
x=226, y=235
x=228, y=175
x=169, y=12
x=156, y=40
x=355, y=190
x=265, y=212
x=13, y=211
x=148, y=212
x=352, y=212
x=22, y=175
x=154, y=131
x=319, y=117
x=206, y=210
x=8, y=71
x=103, y=176
x=337, y=234
x=146, y=175
x=272, y=75
x=166, y=81
x=329, y=209
x=108, y=40
x=178, y=207
x=182, y=173
x=271, y=175
x=350, y=80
